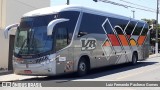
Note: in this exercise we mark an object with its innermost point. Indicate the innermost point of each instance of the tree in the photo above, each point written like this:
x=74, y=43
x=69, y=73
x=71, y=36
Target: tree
x=152, y=21
x=153, y=32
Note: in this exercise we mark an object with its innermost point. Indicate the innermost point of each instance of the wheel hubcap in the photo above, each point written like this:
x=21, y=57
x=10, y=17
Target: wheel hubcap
x=82, y=67
x=134, y=59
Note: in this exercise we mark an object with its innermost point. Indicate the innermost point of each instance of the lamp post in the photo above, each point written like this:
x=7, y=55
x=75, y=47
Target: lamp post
x=95, y=0
x=67, y=2
x=133, y=13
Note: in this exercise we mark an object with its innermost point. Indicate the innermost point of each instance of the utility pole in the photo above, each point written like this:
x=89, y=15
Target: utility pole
x=133, y=13
x=67, y=2
x=156, y=44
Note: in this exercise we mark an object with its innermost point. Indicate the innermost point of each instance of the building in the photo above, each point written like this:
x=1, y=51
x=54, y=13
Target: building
x=10, y=12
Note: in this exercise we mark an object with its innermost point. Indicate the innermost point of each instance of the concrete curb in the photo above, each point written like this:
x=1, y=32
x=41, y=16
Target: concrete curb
x=154, y=56
x=6, y=72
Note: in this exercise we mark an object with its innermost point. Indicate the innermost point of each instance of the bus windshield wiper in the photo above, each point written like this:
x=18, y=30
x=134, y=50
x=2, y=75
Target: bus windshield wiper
x=22, y=46
x=31, y=40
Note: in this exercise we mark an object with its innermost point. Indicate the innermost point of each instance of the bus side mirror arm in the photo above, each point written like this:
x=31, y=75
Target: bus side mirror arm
x=53, y=23
x=8, y=28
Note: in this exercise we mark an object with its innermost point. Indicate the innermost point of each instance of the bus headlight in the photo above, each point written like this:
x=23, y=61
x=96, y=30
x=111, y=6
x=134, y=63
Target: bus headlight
x=47, y=61
x=18, y=60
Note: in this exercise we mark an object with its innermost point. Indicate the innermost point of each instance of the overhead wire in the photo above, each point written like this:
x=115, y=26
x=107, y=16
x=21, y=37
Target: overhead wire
x=136, y=4
x=126, y=6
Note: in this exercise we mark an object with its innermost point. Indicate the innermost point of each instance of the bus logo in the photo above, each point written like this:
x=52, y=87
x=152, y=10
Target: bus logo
x=88, y=44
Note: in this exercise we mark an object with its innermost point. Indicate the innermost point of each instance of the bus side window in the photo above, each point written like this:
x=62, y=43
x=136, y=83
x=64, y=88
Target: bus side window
x=61, y=38
x=90, y=24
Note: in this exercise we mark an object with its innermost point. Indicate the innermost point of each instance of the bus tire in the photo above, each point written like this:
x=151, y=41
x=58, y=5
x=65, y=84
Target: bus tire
x=82, y=67
x=134, y=59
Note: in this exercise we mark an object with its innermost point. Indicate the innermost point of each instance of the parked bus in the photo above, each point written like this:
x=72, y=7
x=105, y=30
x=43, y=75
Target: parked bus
x=64, y=39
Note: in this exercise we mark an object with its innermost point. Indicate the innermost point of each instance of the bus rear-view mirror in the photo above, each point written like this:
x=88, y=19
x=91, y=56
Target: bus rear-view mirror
x=8, y=28
x=52, y=24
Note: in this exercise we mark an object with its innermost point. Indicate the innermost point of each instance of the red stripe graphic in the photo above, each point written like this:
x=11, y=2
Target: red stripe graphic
x=129, y=36
x=123, y=40
x=114, y=40
x=141, y=40
x=106, y=43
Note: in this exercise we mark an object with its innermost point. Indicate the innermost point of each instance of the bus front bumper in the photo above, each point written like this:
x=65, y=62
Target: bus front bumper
x=45, y=69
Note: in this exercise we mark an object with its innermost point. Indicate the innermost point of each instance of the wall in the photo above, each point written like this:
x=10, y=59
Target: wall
x=10, y=12
x=0, y=11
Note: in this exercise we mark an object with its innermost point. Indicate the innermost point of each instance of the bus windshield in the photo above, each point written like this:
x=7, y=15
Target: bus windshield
x=31, y=36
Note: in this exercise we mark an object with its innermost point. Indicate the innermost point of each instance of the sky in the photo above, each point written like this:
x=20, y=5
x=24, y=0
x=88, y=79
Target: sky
x=139, y=14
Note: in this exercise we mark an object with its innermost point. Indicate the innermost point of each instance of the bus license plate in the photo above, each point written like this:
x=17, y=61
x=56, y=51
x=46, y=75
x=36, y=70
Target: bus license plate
x=27, y=71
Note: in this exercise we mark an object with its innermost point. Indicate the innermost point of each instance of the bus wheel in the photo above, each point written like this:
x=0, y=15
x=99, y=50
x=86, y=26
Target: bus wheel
x=134, y=59
x=82, y=67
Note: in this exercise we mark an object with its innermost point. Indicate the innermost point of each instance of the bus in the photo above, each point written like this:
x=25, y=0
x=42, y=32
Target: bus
x=64, y=39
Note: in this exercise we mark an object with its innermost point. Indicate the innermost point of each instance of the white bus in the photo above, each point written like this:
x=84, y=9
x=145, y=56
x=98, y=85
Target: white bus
x=64, y=39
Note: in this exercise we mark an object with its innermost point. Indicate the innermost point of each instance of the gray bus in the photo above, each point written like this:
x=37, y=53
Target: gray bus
x=64, y=39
